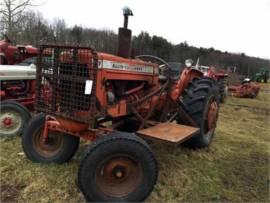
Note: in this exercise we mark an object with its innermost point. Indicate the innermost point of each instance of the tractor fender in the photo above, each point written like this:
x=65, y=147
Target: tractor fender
x=186, y=76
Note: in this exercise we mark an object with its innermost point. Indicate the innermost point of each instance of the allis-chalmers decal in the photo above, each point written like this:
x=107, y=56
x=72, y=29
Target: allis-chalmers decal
x=124, y=66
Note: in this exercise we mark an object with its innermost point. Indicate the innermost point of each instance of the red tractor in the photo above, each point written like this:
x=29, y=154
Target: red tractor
x=10, y=54
x=17, y=84
x=115, y=101
x=248, y=89
x=17, y=94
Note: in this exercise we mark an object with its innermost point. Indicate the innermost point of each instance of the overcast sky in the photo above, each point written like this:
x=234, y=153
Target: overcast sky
x=227, y=25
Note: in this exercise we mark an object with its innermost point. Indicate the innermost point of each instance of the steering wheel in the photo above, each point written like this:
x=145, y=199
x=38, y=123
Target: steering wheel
x=163, y=65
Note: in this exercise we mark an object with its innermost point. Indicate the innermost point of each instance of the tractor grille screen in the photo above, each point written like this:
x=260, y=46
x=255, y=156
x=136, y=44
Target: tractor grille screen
x=66, y=82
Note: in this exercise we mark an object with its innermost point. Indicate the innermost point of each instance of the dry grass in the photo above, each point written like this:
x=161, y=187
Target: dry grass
x=234, y=168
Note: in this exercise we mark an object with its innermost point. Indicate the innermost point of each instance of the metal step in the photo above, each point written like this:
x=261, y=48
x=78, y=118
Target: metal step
x=169, y=132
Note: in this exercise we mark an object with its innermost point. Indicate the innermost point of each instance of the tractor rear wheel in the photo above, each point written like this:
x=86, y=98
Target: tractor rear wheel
x=13, y=118
x=119, y=167
x=200, y=101
x=211, y=83
x=59, y=147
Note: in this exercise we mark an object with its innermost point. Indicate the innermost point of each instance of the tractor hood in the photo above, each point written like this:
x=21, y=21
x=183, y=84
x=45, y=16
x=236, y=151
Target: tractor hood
x=16, y=72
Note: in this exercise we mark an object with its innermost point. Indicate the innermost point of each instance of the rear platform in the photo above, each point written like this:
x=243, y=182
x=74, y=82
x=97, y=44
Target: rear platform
x=169, y=132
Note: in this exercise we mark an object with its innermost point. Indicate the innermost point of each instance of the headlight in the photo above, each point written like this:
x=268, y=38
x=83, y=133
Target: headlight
x=188, y=63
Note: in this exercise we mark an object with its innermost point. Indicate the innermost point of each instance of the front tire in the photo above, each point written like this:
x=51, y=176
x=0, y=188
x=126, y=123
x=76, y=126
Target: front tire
x=200, y=100
x=13, y=118
x=119, y=167
x=59, y=147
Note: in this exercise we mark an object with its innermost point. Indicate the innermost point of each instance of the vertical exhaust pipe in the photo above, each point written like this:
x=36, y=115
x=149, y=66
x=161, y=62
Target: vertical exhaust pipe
x=124, y=36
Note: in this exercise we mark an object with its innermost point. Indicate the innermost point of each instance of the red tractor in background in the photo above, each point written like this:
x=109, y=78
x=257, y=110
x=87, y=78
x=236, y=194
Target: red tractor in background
x=114, y=101
x=10, y=54
x=248, y=89
x=17, y=86
x=17, y=96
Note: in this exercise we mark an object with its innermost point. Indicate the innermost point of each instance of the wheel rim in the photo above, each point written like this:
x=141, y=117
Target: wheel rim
x=10, y=122
x=118, y=176
x=49, y=147
x=211, y=116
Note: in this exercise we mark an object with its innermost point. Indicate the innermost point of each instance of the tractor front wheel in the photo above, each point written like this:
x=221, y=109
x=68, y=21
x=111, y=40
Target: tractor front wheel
x=57, y=148
x=119, y=167
x=200, y=100
x=13, y=118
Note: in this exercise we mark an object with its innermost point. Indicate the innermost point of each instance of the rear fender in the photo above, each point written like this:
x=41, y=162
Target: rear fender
x=187, y=76
x=221, y=75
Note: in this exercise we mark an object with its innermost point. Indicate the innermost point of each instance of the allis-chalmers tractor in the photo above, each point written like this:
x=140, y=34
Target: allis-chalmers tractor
x=115, y=102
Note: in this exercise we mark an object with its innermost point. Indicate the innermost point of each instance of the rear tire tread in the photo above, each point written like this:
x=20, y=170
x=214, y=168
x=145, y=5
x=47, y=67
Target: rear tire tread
x=201, y=91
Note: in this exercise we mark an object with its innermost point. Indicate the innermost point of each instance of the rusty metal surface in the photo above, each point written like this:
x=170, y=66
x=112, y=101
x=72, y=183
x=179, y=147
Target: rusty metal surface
x=212, y=115
x=246, y=90
x=62, y=73
x=124, y=42
x=169, y=132
x=118, y=175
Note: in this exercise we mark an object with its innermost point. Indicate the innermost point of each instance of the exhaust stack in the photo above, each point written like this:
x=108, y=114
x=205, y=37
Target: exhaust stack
x=124, y=36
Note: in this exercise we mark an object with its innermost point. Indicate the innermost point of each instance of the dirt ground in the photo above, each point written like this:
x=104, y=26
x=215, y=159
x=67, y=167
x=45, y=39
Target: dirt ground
x=234, y=168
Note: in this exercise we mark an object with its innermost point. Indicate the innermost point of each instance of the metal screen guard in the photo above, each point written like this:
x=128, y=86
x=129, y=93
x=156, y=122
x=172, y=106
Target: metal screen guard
x=66, y=82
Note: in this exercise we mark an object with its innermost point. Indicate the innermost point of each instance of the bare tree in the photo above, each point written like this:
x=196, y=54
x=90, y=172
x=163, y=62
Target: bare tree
x=12, y=14
x=60, y=30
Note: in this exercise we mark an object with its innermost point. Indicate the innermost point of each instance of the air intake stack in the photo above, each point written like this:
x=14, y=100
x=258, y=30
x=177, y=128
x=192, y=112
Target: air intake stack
x=124, y=36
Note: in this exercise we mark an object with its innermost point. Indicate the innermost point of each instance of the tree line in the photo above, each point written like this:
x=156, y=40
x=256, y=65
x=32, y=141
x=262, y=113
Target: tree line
x=24, y=26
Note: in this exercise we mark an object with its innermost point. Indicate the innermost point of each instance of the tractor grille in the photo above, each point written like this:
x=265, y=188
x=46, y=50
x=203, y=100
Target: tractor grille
x=66, y=82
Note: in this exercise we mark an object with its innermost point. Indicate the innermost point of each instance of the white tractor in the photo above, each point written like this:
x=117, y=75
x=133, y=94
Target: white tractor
x=17, y=88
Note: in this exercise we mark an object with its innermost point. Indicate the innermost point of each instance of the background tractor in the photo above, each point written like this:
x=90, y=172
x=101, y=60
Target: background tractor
x=10, y=54
x=262, y=76
x=17, y=94
x=247, y=89
x=115, y=101
x=17, y=84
